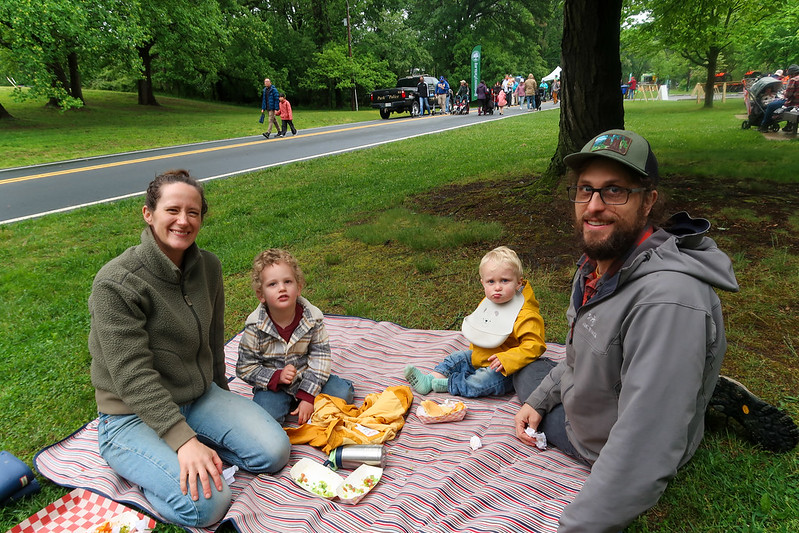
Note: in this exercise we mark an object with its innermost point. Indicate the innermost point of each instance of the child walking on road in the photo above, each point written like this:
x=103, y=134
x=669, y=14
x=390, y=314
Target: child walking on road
x=502, y=101
x=286, y=116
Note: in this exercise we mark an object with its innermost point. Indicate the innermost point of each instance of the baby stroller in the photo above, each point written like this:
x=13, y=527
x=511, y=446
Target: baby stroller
x=461, y=106
x=489, y=108
x=757, y=97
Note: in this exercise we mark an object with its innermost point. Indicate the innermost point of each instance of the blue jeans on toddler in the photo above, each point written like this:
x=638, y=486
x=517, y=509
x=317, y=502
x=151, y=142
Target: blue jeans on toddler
x=465, y=380
x=241, y=433
x=278, y=403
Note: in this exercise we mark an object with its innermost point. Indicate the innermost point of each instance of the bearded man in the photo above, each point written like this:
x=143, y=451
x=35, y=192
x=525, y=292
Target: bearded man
x=645, y=344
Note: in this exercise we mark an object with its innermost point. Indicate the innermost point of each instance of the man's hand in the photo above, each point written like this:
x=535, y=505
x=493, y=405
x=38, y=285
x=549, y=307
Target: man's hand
x=197, y=459
x=495, y=364
x=287, y=374
x=303, y=411
x=526, y=417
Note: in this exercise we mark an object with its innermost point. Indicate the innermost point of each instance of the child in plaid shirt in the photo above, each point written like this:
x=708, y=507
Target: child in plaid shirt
x=284, y=351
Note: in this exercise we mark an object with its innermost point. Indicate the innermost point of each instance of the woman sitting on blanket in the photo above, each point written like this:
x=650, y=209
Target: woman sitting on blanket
x=167, y=418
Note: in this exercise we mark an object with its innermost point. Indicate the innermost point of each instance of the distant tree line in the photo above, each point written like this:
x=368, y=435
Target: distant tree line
x=222, y=49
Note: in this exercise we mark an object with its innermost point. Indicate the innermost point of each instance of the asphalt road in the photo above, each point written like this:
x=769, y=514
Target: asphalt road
x=34, y=191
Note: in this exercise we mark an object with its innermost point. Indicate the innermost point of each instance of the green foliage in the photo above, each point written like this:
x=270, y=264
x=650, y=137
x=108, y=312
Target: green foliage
x=40, y=34
x=510, y=32
x=224, y=49
x=334, y=69
x=725, y=35
x=185, y=38
x=392, y=39
x=772, y=43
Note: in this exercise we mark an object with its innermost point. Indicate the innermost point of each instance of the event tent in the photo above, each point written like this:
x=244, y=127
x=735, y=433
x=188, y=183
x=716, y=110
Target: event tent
x=552, y=75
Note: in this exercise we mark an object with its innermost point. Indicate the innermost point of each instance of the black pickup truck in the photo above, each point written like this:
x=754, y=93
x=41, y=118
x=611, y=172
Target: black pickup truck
x=403, y=98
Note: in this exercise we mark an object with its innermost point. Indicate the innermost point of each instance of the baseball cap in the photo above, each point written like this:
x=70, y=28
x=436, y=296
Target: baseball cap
x=623, y=146
x=490, y=324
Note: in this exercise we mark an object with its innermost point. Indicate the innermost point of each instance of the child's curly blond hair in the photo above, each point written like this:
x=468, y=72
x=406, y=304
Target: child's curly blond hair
x=271, y=257
x=503, y=256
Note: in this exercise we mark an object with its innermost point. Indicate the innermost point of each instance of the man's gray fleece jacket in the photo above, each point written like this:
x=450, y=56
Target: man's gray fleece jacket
x=642, y=359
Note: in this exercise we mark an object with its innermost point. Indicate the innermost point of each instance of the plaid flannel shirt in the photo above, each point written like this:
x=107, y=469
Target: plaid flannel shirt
x=262, y=351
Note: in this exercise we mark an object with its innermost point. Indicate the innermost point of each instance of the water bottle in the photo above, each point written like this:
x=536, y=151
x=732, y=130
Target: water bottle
x=355, y=455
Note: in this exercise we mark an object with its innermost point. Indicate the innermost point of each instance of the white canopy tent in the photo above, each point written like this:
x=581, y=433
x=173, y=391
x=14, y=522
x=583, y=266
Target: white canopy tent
x=552, y=75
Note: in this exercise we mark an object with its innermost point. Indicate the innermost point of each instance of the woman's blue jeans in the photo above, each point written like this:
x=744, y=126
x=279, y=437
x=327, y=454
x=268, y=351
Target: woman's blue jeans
x=242, y=434
x=279, y=403
x=465, y=380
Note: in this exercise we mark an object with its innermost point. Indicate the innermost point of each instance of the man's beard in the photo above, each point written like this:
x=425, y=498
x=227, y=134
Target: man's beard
x=622, y=239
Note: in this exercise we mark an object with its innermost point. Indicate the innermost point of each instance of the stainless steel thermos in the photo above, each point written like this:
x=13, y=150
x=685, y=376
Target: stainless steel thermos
x=355, y=455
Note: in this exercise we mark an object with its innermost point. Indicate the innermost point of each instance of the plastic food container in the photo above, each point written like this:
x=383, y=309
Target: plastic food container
x=321, y=481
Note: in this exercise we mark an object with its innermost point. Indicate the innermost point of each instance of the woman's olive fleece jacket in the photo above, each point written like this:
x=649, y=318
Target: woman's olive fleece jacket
x=157, y=335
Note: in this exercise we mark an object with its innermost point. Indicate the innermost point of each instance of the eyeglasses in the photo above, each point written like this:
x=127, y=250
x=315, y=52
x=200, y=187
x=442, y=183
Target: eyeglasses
x=612, y=195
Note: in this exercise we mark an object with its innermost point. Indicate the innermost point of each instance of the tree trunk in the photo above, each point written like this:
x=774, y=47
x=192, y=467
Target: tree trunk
x=59, y=78
x=4, y=114
x=710, y=84
x=145, y=86
x=591, y=99
x=75, y=89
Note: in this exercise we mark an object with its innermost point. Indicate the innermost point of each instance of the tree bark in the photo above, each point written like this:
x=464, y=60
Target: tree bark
x=59, y=78
x=75, y=89
x=591, y=99
x=145, y=86
x=710, y=84
x=4, y=114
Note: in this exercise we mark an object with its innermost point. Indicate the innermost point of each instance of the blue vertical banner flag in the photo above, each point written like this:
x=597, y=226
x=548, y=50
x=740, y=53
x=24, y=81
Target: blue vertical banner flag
x=476, y=57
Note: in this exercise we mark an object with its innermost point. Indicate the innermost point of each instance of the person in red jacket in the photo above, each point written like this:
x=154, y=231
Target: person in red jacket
x=286, y=117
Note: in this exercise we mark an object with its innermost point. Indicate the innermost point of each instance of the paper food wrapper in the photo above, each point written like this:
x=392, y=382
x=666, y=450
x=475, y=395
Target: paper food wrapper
x=430, y=412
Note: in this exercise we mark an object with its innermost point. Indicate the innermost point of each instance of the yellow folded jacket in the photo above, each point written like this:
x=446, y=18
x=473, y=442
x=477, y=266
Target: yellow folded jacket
x=335, y=423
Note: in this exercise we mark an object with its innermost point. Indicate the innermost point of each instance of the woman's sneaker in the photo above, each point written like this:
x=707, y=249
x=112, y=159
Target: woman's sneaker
x=766, y=425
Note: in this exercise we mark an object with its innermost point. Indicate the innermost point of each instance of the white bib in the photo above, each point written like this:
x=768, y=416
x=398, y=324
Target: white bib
x=490, y=324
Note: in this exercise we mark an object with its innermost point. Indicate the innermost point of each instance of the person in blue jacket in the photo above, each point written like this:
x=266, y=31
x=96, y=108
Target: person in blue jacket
x=270, y=103
x=442, y=91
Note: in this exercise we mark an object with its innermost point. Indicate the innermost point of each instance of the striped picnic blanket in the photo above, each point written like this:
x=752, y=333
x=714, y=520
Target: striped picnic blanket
x=433, y=480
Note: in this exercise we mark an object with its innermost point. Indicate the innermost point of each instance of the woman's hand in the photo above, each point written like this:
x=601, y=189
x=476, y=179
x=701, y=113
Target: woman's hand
x=303, y=411
x=526, y=417
x=197, y=459
x=287, y=374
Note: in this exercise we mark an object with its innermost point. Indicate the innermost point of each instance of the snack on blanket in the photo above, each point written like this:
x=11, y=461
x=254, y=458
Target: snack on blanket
x=127, y=522
x=430, y=412
x=323, y=482
x=359, y=483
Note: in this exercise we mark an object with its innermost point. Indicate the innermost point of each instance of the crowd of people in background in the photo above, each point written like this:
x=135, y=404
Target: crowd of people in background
x=527, y=94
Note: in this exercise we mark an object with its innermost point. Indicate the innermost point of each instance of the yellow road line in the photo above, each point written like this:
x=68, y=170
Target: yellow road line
x=177, y=154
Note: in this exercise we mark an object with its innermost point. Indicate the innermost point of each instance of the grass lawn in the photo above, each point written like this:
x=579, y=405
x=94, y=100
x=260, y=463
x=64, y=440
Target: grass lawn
x=113, y=122
x=312, y=208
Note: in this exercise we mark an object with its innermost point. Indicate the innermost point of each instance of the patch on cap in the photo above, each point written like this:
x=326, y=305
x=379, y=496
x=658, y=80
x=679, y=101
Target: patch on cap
x=614, y=142
x=625, y=147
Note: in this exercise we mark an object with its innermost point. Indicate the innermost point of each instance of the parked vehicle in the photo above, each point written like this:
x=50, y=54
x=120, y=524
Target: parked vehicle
x=404, y=97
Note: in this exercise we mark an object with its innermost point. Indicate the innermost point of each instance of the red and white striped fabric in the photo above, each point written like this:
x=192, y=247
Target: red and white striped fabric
x=433, y=480
x=80, y=510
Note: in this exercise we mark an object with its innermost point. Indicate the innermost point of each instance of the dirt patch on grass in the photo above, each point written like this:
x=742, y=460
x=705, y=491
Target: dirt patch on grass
x=752, y=222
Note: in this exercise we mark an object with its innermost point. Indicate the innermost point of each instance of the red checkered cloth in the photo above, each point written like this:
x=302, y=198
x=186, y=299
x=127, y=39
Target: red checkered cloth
x=433, y=480
x=79, y=511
